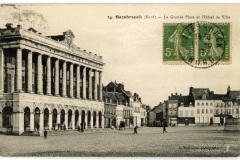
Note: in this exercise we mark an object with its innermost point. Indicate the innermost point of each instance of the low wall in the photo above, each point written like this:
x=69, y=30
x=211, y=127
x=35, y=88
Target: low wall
x=232, y=124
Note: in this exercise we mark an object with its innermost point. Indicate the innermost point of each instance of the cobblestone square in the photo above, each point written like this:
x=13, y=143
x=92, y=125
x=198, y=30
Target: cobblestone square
x=149, y=142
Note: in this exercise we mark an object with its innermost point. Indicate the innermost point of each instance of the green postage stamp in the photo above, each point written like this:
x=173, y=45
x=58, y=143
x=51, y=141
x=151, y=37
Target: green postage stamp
x=199, y=44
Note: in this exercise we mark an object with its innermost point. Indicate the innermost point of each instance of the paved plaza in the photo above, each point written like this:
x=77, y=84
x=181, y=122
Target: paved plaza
x=149, y=142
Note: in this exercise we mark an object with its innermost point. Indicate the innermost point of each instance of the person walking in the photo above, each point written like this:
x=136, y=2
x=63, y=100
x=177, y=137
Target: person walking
x=135, y=130
x=79, y=129
x=45, y=134
x=164, y=127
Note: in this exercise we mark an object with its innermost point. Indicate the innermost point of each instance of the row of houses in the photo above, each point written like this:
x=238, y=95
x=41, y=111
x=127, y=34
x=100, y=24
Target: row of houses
x=200, y=107
x=122, y=106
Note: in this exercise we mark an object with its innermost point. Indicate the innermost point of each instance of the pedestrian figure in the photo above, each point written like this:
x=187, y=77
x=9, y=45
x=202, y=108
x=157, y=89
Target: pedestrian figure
x=79, y=129
x=37, y=127
x=58, y=126
x=64, y=127
x=82, y=129
x=45, y=134
x=164, y=127
x=135, y=130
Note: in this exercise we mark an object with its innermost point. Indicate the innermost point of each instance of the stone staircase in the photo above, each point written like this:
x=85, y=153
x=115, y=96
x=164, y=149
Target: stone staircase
x=30, y=133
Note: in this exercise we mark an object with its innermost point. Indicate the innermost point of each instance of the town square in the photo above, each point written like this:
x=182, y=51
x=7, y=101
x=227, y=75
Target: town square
x=91, y=84
x=149, y=142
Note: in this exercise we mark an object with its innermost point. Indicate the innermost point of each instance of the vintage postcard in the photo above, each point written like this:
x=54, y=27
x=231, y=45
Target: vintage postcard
x=119, y=80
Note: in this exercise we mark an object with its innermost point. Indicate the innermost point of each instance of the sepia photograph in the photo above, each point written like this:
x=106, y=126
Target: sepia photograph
x=119, y=80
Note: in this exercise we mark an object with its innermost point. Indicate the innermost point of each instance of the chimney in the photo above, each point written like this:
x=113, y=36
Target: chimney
x=176, y=93
x=9, y=25
x=190, y=90
x=180, y=94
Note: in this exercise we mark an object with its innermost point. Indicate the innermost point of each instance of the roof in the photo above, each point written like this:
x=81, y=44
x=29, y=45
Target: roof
x=198, y=93
x=120, y=96
x=235, y=95
x=57, y=37
x=217, y=96
x=181, y=99
x=115, y=96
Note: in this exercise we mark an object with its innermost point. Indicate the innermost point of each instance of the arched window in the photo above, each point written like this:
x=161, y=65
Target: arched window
x=7, y=117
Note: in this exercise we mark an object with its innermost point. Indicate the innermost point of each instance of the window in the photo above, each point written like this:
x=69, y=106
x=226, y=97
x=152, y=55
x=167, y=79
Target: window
x=206, y=110
x=192, y=113
x=202, y=110
x=181, y=113
x=210, y=111
x=204, y=96
x=198, y=104
x=186, y=113
x=211, y=104
x=198, y=111
x=237, y=111
x=216, y=111
x=202, y=104
x=206, y=104
x=7, y=117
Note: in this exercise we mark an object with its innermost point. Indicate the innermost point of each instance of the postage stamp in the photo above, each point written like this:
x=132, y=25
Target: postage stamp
x=199, y=44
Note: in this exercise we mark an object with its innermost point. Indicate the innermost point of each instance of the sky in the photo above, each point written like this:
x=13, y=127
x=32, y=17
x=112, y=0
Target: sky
x=132, y=49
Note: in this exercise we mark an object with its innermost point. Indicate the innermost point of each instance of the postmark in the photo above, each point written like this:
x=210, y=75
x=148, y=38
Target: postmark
x=198, y=44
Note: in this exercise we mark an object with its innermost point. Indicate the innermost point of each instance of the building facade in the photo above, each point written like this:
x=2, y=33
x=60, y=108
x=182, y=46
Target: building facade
x=130, y=104
x=200, y=107
x=47, y=80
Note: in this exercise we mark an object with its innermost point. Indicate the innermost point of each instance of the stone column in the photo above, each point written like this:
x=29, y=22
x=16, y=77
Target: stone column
x=48, y=76
x=18, y=123
x=102, y=121
x=84, y=82
x=91, y=120
x=71, y=80
x=19, y=70
x=57, y=77
x=41, y=121
x=95, y=85
x=78, y=81
x=66, y=120
x=1, y=71
x=64, y=81
x=90, y=84
x=86, y=120
x=1, y=120
x=100, y=86
x=50, y=121
x=32, y=121
x=80, y=120
x=39, y=75
x=73, y=121
x=97, y=121
x=29, y=72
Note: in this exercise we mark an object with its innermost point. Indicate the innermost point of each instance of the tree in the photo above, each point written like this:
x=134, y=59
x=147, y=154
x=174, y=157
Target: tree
x=26, y=18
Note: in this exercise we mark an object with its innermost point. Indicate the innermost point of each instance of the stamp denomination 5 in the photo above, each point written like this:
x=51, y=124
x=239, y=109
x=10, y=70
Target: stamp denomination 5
x=199, y=44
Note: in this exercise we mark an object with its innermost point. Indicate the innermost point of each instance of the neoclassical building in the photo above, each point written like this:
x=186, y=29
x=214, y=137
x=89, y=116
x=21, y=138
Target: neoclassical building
x=47, y=80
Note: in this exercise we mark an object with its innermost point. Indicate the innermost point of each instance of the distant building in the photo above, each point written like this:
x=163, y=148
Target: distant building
x=200, y=107
x=133, y=111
